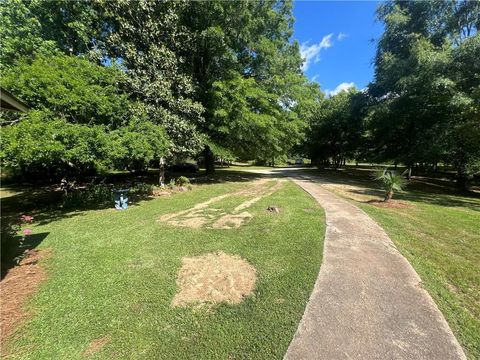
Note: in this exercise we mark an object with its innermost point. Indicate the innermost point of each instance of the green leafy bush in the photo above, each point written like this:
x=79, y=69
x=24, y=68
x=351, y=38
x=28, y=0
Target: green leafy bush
x=80, y=121
x=92, y=194
x=76, y=89
x=182, y=181
x=134, y=146
x=43, y=145
x=142, y=189
x=171, y=183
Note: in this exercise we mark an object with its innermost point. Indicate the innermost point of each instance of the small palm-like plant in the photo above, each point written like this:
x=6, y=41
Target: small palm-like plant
x=391, y=181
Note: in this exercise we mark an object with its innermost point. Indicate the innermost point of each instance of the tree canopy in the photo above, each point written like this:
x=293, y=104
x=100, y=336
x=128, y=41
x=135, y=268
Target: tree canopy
x=423, y=106
x=169, y=79
x=222, y=74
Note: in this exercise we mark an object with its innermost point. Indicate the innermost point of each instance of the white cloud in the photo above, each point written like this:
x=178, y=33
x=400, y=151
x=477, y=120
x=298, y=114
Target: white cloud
x=315, y=77
x=341, y=87
x=311, y=52
x=341, y=36
x=326, y=41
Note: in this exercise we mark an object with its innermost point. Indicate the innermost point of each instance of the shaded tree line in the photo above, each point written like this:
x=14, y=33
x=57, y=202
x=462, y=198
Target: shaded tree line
x=126, y=84
x=423, y=106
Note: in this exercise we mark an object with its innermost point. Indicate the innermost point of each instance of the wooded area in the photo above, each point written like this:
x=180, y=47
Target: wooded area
x=122, y=84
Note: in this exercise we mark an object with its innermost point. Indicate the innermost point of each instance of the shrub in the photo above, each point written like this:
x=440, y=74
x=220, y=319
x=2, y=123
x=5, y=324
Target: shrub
x=390, y=181
x=142, y=189
x=14, y=236
x=134, y=146
x=171, y=184
x=93, y=194
x=182, y=181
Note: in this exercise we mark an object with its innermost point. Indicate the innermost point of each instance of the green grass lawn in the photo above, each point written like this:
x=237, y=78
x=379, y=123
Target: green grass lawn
x=113, y=274
x=440, y=237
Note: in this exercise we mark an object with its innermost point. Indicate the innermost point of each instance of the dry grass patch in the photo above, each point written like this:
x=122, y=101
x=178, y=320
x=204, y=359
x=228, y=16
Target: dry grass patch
x=96, y=345
x=391, y=204
x=232, y=221
x=354, y=192
x=202, y=215
x=214, y=278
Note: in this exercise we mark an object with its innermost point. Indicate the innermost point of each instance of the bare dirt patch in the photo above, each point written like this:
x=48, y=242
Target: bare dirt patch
x=232, y=221
x=214, y=278
x=17, y=286
x=160, y=192
x=194, y=222
x=194, y=209
x=96, y=345
x=392, y=204
x=202, y=215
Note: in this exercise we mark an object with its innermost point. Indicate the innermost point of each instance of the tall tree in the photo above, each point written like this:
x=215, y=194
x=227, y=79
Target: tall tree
x=184, y=60
x=336, y=128
x=20, y=34
x=146, y=40
x=73, y=88
x=143, y=38
x=423, y=104
x=247, y=74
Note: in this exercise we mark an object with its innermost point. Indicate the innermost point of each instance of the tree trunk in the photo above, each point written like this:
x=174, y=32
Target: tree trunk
x=388, y=195
x=461, y=182
x=161, y=176
x=209, y=161
x=462, y=178
x=409, y=173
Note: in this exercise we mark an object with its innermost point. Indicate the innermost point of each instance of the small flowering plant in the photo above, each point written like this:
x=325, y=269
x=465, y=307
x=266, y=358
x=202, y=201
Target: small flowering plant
x=26, y=219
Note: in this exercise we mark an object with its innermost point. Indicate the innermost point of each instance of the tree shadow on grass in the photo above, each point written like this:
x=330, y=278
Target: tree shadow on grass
x=45, y=203
x=11, y=249
x=225, y=176
x=447, y=200
x=432, y=199
x=422, y=189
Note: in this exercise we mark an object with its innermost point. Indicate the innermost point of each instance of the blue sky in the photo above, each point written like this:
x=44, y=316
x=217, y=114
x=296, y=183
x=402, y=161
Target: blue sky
x=335, y=39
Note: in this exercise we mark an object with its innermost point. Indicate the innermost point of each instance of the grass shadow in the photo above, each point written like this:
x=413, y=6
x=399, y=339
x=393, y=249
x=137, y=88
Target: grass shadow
x=45, y=202
x=423, y=189
x=12, y=249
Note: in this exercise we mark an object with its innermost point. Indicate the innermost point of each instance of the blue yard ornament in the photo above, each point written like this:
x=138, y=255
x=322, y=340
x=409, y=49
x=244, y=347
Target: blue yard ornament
x=121, y=199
